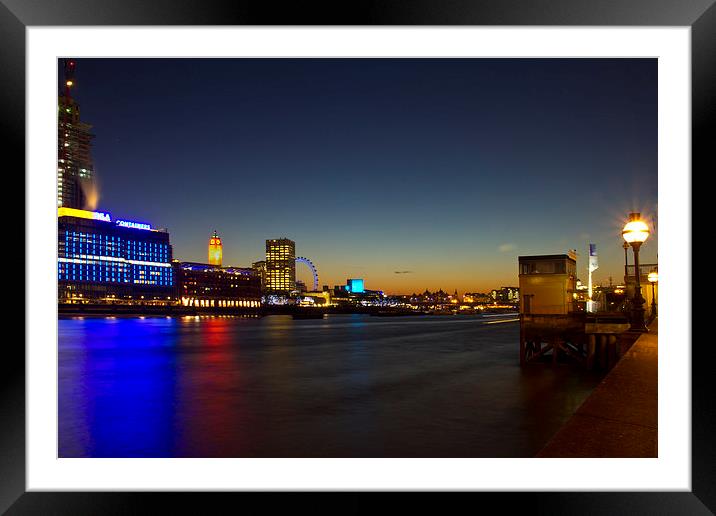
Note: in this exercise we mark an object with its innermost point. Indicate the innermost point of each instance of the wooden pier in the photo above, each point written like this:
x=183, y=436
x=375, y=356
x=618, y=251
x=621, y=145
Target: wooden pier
x=595, y=341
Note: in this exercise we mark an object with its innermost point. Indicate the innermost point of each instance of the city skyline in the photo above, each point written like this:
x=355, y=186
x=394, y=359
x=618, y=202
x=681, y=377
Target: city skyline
x=409, y=173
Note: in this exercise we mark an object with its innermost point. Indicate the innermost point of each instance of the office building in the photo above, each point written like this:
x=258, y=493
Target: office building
x=280, y=266
x=260, y=270
x=105, y=261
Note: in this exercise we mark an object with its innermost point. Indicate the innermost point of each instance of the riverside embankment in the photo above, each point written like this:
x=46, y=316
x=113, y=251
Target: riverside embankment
x=620, y=417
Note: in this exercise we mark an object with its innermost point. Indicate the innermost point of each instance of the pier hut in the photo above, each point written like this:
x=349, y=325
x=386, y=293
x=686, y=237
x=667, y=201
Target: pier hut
x=553, y=327
x=548, y=284
x=549, y=322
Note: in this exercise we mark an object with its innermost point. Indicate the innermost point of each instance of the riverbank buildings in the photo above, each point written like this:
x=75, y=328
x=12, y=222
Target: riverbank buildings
x=101, y=261
x=506, y=295
x=280, y=266
x=211, y=287
x=260, y=270
x=477, y=298
x=217, y=289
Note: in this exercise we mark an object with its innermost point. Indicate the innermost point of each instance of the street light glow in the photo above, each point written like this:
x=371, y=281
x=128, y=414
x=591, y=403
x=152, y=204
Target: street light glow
x=636, y=230
x=635, y=233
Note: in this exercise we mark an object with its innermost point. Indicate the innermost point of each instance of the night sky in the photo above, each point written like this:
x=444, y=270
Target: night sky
x=441, y=170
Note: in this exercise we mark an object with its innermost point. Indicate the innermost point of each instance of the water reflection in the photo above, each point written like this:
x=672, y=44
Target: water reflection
x=345, y=386
x=116, y=387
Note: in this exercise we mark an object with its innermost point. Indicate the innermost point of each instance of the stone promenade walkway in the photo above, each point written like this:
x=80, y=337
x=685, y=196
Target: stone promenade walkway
x=619, y=419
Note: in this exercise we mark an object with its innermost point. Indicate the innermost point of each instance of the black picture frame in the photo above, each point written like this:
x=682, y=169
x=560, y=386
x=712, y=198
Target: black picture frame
x=16, y=15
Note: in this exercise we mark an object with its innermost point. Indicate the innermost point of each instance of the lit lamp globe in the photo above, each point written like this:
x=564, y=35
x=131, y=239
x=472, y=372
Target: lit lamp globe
x=635, y=233
x=653, y=277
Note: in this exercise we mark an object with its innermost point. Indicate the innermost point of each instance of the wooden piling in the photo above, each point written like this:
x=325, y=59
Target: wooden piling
x=591, y=350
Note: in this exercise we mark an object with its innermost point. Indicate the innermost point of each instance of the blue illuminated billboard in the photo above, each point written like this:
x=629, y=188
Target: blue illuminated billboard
x=135, y=225
x=355, y=286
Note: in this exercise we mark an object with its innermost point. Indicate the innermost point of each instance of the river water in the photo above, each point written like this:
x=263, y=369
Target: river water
x=344, y=386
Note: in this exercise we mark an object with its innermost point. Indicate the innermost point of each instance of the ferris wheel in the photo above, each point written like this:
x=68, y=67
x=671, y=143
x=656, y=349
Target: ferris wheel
x=314, y=271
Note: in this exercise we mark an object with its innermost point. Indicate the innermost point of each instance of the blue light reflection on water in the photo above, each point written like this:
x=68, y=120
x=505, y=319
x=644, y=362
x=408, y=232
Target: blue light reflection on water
x=345, y=386
x=117, y=387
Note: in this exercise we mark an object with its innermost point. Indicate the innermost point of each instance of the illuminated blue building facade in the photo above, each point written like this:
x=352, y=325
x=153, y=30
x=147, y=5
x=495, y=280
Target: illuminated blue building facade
x=355, y=285
x=117, y=262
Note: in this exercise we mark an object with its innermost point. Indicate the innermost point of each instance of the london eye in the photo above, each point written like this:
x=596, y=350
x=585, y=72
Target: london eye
x=314, y=271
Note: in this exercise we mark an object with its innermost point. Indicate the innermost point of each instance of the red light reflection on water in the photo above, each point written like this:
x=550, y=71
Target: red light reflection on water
x=211, y=405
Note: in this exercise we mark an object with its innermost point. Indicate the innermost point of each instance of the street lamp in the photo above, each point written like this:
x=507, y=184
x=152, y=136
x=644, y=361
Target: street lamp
x=635, y=233
x=653, y=278
x=626, y=275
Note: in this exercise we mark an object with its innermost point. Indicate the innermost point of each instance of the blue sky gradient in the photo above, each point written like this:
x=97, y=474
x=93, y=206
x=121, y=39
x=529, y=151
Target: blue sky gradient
x=447, y=168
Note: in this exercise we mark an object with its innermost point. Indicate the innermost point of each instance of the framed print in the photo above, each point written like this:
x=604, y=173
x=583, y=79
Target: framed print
x=413, y=250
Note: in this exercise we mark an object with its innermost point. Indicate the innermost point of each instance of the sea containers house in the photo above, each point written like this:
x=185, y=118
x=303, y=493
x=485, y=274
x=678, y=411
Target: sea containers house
x=101, y=261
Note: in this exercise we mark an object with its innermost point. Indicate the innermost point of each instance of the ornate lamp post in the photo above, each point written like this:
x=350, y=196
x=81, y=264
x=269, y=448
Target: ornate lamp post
x=626, y=274
x=635, y=233
x=653, y=278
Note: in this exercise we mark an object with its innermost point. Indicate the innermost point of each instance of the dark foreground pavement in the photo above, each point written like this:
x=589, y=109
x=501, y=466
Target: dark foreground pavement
x=619, y=419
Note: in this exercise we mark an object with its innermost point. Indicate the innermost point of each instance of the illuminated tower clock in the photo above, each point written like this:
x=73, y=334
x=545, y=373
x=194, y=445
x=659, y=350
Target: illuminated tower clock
x=215, y=250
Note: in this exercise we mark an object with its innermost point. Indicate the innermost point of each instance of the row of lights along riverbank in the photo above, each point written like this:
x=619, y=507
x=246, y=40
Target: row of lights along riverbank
x=102, y=261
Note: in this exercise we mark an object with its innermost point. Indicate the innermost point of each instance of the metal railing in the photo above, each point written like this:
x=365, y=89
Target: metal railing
x=644, y=269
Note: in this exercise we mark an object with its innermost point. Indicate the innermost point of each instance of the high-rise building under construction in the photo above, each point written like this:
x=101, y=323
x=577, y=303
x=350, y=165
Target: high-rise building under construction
x=75, y=170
